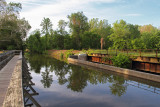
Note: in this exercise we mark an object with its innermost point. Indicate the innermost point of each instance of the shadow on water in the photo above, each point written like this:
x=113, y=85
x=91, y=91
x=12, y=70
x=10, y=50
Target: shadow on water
x=78, y=77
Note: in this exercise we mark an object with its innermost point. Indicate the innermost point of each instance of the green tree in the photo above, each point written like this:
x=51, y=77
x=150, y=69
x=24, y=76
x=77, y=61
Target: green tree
x=58, y=40
x=68, y=42
x=150, y=40
x=78, y=24
x=62, y=24
x=90, y=40
x=34, y=43
x=123, y=34
x=101, y=28
x=12, y=29
x=46, y=27
x=138, y=43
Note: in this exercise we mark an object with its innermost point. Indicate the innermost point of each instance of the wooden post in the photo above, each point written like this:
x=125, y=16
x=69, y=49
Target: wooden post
x=116, y=52
x=27, y=85
x=140, y=52
x=156, y=53
x=127, y=52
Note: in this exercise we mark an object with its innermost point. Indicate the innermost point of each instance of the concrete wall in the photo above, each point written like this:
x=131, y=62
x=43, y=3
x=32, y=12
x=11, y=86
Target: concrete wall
x=147, y=76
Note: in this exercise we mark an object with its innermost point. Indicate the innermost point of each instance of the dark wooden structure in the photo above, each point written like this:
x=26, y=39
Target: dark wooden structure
x=28, y=90
x=142, y=63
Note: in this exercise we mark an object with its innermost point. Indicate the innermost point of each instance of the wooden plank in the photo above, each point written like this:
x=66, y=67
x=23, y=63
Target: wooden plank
x=5, y=76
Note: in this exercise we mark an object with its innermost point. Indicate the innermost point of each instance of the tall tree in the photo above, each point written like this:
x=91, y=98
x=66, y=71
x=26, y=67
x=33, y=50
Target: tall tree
x=62, y=24
x=90, y=40
x=147, y=28
x=122, y=34
x=78, y=23
x=34, y=42
x=46, y=27
x=101, y=28
x=12, y=29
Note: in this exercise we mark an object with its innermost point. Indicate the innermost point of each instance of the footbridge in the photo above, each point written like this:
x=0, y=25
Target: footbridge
x=15, y=81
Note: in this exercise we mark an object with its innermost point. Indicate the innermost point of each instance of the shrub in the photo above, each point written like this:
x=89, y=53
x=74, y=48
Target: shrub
x=90, y=51
x=121, y=60
x=105, y=59
x=61, y=55
x=84, y=51
x=69, y=52
x=10, y=47
x=45, y=52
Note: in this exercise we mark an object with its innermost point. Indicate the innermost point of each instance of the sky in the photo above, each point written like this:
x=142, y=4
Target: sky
x=141, y=12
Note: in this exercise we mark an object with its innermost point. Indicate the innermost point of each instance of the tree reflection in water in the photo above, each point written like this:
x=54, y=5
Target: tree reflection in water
x=46, y=79
x=77, y=80
x=118, y=86
x=75, y=77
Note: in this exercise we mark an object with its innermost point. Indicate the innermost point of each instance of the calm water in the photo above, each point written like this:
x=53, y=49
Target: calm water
x=65, y=85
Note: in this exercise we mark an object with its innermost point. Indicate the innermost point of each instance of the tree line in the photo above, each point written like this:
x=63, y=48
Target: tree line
x=87, y=34
x=82, y=34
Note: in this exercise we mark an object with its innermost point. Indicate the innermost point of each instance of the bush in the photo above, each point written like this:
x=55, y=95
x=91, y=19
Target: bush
x=69, y=52
x=61, y=55
x=45, y=52
x=10, y=47
x=121, y=60
x=105, y=59
x=90, y=51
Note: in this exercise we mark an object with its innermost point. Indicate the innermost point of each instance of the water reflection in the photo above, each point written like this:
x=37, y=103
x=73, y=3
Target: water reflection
x=47, y=79
x=77, y=80
x=76, y=77
x=66, y=85
x=118, y=86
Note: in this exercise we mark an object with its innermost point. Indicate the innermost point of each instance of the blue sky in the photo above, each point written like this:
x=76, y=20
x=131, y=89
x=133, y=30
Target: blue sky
x=139, y=12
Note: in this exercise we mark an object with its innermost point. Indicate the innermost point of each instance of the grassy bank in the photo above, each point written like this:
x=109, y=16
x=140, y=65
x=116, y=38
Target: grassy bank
x=62, y=54
x=112, y=52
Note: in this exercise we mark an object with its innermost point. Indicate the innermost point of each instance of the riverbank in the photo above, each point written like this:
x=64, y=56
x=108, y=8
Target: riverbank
x=57, y=54
x=129, y=72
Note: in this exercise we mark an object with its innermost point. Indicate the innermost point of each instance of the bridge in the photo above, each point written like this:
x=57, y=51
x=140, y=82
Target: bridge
x=15, y=81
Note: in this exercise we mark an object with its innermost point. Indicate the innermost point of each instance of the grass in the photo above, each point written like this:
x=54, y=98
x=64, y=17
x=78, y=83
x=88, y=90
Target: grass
x=146, y=53
x=59, y=53
x=132, y=53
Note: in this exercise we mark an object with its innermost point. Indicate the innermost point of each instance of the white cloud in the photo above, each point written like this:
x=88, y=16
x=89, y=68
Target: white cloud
x=35, y=10
x=57, y=10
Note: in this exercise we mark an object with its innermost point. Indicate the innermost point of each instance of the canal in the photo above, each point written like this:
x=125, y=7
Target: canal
x=65, y=85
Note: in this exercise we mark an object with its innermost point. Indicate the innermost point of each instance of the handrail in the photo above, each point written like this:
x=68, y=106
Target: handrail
x=128, y=52
x=144, y=87
x=5, y=58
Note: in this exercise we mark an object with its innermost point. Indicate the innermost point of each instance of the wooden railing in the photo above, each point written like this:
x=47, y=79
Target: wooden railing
x=5, y=58
x=128, y=52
